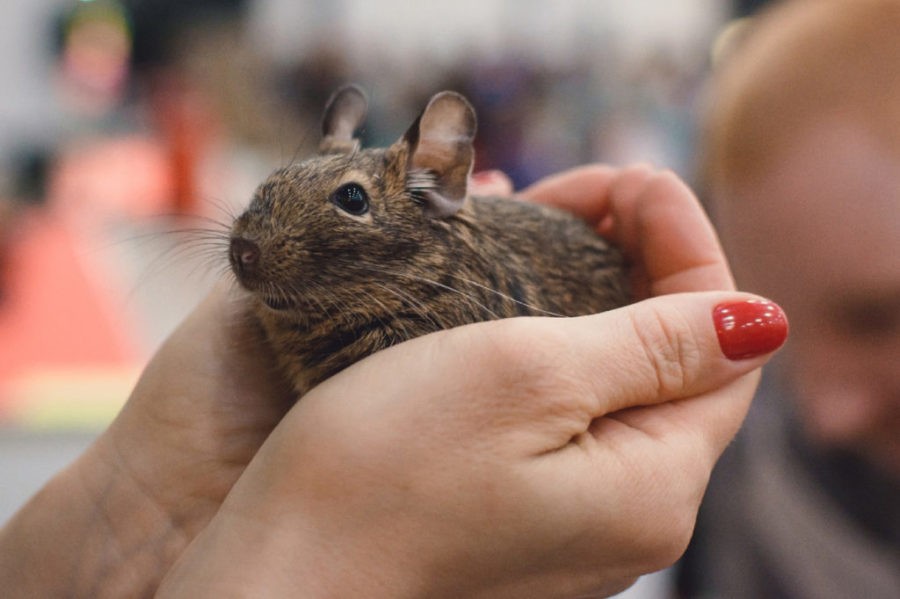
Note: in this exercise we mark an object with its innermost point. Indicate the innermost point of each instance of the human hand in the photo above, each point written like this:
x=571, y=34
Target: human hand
x=203, y=406
x=526, y=457
x=113, y=522
x=201, y=409
x=533, y=457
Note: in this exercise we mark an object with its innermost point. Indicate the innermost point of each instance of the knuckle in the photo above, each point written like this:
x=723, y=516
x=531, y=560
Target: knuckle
x=643, y=168
x=665, y=184
x=639, y=172
x=670, y=346
x=667, y=177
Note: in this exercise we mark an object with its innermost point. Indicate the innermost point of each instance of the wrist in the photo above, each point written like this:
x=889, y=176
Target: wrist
x=258, y=555
x=89, y=531
x=286, y=529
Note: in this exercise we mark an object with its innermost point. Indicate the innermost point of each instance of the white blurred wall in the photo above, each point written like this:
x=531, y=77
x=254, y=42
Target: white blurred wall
x=551, y=28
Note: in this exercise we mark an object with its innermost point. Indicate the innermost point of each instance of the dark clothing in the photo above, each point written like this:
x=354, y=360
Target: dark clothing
x=783, y=521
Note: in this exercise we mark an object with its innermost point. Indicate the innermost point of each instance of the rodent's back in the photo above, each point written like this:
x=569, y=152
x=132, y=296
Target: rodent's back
x=547, y=261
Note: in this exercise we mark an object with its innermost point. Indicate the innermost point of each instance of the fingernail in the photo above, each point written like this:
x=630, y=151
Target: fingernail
x=485, y=177
x=750, y=328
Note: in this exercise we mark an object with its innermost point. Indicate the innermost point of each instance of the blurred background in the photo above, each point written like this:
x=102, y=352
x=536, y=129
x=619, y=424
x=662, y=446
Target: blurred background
x=132, y=129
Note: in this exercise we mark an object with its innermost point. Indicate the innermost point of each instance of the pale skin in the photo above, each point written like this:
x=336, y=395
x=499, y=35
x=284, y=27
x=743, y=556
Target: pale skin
x=819, y=234
x=527, y=457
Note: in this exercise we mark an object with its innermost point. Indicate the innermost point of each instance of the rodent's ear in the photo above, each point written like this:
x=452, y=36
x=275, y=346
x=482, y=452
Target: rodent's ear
x=441, y=153
x=344, y=114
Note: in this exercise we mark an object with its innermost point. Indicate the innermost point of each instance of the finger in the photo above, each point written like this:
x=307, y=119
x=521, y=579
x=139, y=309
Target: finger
x=582, y=191
x=624, y=192
x=712, y=418
x=680, y=345
x=491, y=183
x=652, y=216
x=663, y=228
x=562, y=374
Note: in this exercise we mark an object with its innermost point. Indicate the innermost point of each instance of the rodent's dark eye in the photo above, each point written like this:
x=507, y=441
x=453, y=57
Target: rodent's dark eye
x=351, y=198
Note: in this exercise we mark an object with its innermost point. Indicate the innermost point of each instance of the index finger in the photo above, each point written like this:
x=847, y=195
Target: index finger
x=652, y=216
x=582, y=190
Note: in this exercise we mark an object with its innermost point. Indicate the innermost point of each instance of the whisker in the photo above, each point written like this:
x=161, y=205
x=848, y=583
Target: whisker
x=387, y=310
x=223, y=207
x=468, y=296
x=400, y=322
x=506, y=297
x=481, y=286
x=198, y=247
x=417, y=306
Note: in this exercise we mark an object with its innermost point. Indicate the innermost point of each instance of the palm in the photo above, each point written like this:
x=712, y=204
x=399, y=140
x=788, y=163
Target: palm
x=202, y=408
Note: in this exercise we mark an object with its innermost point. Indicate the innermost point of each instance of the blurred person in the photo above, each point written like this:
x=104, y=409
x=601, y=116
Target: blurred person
x=802, y=166
x=743, y=8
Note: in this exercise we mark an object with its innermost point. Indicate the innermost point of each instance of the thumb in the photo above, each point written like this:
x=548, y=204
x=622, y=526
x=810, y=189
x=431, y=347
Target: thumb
x=696, y=353
x=696, y=350
x=670, y=348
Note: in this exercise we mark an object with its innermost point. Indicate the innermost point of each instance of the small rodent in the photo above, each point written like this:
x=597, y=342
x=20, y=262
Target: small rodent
x=355, y=250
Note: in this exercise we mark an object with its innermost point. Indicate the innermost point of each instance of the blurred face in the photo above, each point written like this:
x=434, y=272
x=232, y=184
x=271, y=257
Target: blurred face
x=821, y=235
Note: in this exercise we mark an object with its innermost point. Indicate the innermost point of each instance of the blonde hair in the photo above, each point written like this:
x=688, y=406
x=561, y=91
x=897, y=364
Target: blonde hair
x=800, y=62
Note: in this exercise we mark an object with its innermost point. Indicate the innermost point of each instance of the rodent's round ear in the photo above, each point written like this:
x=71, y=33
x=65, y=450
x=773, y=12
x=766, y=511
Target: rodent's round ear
x=345, y=112
x=441, y=153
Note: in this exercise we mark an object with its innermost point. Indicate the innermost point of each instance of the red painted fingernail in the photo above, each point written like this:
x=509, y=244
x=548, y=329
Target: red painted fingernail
x=749, y=328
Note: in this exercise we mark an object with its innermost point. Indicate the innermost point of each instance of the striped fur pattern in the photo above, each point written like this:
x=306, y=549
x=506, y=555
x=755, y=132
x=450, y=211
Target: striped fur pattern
x=332, y=287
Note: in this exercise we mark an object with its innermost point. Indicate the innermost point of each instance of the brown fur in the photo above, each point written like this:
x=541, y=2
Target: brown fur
x=333, y=288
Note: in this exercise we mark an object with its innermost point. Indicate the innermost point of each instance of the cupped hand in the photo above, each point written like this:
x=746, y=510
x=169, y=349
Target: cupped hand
x=113, y=522
x=201, y=409
x=526, y=457
x=211, y=396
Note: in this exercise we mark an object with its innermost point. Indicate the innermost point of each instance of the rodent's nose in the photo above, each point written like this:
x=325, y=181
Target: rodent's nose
x=244, y=255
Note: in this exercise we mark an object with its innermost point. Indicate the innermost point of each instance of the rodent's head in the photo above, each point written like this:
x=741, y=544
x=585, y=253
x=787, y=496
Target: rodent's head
x=318, y=233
